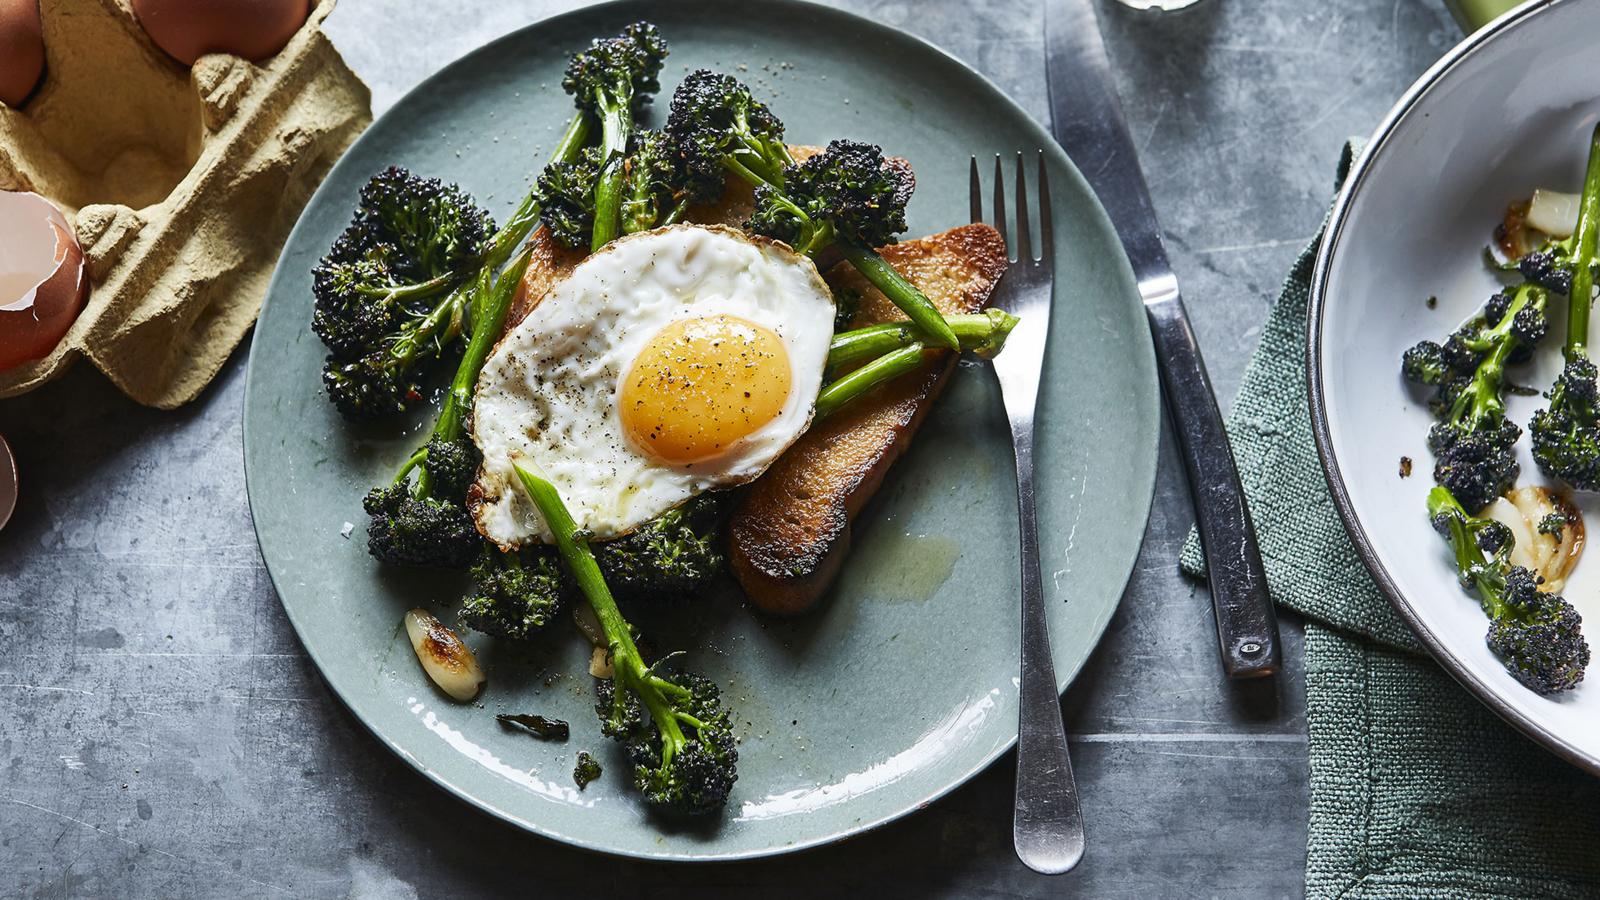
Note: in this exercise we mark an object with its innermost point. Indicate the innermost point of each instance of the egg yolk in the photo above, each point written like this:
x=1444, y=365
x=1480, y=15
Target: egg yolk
x=701, y=385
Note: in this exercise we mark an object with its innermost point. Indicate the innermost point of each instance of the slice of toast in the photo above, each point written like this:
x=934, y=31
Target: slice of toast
x=790, y=531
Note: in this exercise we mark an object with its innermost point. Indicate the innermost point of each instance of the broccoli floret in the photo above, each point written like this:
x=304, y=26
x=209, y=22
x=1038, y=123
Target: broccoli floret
x=1550, y=268
x=720, y=127
x=621, y=714
x=434, y=227
x=452, y=465
x=1528, y=326
x=515, y=595
x=386, y=299
x=678, y=736
x=370, y=387
x=675, y=555
x=1537, y=635
x=611, y=80
x=566, y=198
x=846, y=192
x=653, y=192
x=624, y=69
x=690, y=766
x=423, y=521
x=408, y=530
x=1555, y=524
x=1566, y=435
x=1424, y=364
x=1478, y=468
x=586, y=770
x=356, y=302
x=1473, y=442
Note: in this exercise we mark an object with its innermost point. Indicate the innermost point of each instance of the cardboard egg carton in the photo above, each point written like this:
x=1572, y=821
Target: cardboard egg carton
x=182, y=185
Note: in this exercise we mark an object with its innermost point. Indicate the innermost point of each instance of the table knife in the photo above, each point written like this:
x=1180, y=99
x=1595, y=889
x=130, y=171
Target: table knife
x=1087, y=119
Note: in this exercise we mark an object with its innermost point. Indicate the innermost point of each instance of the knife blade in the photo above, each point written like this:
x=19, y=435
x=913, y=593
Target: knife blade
x=1087, y=120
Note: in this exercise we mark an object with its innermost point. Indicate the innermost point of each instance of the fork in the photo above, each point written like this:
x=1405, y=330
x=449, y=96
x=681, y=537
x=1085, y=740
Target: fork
x=1048, y=828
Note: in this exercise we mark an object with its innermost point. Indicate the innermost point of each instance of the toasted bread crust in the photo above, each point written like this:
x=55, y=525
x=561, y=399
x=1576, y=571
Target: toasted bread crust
x=791, y=530
x=548, y=264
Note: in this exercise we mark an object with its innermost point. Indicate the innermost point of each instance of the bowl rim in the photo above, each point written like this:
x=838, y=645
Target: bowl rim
x=1394, y=122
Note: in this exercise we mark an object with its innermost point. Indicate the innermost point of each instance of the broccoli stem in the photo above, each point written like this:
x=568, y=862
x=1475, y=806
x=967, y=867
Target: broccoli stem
x=526, y=215
x=983, y=333
x=749, y=175
x=749, y=163
x=487, y=325
x=1468, y=555
x=616, y=124
x=840, y=392
x=494, y=302
x=442, y=322
x=408, y=292
x=1585, y=239
x=1484, y=575
x=415, y=460
x=676, y=216
x=627, y=662
x=900, y=292
x=1482, y=400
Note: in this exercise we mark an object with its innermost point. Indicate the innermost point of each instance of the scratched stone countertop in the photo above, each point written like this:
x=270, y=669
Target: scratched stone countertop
x=162, y=734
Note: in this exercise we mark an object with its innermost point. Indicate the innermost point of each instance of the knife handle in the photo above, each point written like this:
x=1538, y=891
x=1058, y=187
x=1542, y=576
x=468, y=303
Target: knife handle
x=1247, y=626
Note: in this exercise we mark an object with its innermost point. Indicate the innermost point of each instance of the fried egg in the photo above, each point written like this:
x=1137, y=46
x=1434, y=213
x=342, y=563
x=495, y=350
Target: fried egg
x=670, y=363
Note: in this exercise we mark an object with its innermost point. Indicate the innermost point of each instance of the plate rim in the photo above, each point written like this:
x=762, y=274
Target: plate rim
x=1143, y=477
x=1398, y=116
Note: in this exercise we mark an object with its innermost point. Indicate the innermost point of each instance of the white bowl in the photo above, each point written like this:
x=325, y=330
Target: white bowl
x=1509, y=110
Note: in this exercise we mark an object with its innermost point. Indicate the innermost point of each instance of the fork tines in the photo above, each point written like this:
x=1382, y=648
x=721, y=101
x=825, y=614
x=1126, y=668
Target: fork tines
x=1023, y=249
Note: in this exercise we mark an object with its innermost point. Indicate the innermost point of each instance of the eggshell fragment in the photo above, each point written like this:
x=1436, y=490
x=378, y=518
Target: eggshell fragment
x=21, y=50
x=42, y=280
x=189, y=29
x=447, y=660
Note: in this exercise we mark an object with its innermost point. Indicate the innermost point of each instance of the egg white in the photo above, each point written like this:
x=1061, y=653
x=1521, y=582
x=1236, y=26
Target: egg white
x=548, y=393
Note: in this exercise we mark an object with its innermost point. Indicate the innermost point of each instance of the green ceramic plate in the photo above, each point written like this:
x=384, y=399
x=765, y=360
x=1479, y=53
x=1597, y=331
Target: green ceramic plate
x=904, y=684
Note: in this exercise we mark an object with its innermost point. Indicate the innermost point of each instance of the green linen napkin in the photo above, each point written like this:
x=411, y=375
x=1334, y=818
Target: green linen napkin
x=1417, y=789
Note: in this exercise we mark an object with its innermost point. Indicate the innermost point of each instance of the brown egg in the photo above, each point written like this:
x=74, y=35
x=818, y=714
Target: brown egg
x=189, y=29
x=42, y=282
x=21, y=50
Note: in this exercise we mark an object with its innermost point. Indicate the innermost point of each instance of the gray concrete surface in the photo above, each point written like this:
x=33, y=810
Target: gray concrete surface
x=163, y=735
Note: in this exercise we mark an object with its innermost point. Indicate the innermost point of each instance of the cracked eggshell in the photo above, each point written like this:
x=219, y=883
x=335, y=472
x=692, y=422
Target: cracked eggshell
x=182, y=184
x=21, y=50
x=42, y=283
x=189, y=29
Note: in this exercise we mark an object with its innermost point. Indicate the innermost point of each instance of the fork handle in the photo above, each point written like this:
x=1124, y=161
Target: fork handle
x=1048, y=828
x=1247, y=626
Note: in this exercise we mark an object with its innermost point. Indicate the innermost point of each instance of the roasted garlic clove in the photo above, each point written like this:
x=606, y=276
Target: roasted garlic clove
x=600, y=663
x=1547, y=532
x=447, y=660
